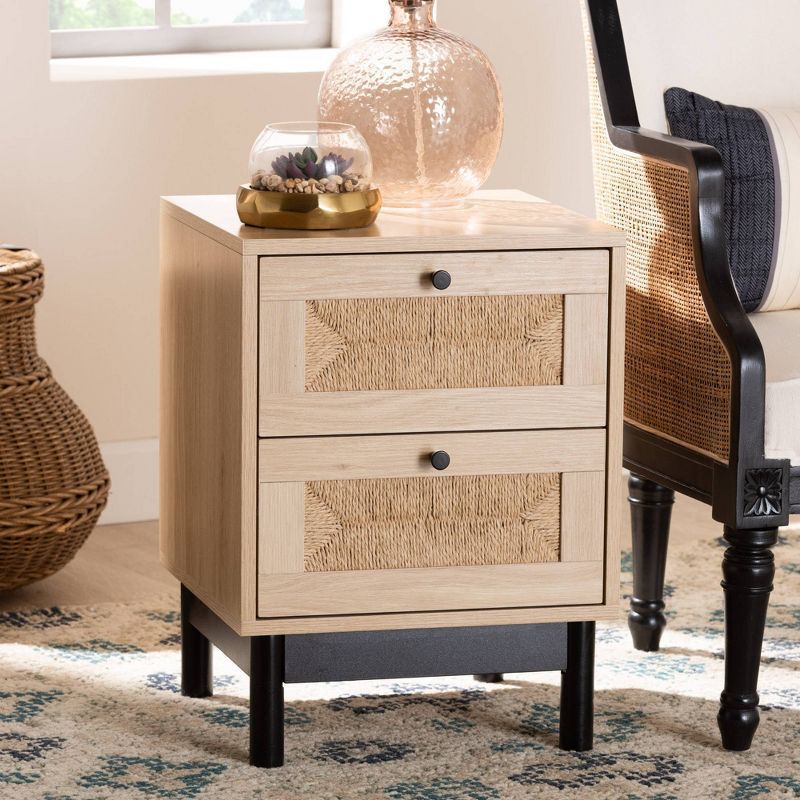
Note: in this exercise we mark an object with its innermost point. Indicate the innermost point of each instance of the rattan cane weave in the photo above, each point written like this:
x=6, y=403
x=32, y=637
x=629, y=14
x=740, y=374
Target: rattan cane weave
x=433, y=343
x=406, y=523
x=53, y=484
x=677, y=373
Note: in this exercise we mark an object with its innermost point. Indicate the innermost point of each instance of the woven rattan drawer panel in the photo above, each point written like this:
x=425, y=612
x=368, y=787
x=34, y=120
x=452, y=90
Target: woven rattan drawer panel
x=433, y=343
x=336, y=512
x=370, y=345
x=407, y=523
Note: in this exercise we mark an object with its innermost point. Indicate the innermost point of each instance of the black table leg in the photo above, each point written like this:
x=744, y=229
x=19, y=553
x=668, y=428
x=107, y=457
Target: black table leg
x=272, y=661
x=196, y=673
x=267, y=661
x=577, y=689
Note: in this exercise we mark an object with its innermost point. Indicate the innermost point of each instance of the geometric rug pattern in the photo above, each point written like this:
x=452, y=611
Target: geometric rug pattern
x=90, y=709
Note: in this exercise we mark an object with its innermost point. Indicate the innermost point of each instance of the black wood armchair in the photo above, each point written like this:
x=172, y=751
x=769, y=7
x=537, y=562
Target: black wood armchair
x=695, y=371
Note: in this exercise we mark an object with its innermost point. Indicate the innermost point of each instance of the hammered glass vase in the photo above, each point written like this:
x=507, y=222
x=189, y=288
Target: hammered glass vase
x=427, y=102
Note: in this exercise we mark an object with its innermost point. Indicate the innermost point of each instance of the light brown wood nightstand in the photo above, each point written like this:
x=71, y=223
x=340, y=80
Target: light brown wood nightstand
x=386, y=452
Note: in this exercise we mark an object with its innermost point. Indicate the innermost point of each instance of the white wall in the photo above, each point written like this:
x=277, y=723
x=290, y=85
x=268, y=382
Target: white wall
x=82, y=164
x=742, y=52
x=537, y=49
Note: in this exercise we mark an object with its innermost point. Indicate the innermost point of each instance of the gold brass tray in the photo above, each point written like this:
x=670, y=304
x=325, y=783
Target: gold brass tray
x=307, y=212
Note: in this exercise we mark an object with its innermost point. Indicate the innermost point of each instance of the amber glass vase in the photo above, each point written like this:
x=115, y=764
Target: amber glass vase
x=427, y=102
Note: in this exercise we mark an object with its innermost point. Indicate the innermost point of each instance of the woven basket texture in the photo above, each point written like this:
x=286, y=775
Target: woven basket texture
x=53, y=484
x=406, y=523
x=433, y=343
x=677, y=373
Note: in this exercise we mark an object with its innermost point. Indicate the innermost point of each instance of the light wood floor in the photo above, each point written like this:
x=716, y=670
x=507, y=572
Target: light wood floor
x=119, y=563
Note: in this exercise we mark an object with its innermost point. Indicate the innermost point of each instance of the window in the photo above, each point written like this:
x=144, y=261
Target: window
x=133, y=27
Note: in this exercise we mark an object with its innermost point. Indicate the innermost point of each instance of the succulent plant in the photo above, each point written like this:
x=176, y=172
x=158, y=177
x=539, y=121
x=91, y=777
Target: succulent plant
x=333, y=164
x=305, y=165
x=285, y=167
x=297, y=165
x=306, y=162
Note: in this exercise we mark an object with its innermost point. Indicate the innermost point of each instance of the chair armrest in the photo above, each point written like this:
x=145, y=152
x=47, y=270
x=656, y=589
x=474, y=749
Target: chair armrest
x=725, y=312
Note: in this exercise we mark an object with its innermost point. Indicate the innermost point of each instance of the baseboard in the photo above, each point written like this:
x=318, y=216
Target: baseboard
x=133, y=467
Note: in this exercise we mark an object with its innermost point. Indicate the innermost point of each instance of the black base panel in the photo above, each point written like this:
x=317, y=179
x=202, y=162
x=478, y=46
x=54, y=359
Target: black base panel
x=386, y=655
x=425, y=653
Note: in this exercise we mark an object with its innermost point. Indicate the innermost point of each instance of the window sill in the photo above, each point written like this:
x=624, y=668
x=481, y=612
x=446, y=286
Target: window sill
x=191, y=65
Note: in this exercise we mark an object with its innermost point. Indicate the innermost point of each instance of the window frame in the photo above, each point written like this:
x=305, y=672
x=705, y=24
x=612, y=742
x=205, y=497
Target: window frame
x=163, y=37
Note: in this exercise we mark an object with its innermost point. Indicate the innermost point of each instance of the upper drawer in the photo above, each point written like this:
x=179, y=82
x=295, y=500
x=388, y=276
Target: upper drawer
x=368, y=344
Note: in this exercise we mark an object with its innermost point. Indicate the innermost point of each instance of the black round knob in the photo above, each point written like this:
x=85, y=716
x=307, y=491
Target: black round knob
x=440, y=460
x=441, y=279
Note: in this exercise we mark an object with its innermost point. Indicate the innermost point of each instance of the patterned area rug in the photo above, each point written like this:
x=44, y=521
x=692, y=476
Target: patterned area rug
x=90, y=709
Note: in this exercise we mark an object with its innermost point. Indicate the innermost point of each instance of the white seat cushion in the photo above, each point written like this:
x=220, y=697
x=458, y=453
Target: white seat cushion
x=779, y=332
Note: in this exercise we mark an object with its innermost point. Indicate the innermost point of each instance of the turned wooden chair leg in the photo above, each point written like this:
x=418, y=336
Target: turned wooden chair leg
x=196, y=670
x=576, y=729
x=489, y=677
x=748, y=570
x=267, y=659
x=651, y=511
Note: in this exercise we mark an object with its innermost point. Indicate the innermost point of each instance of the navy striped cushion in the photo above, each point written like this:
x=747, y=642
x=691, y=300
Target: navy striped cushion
x=759, y=149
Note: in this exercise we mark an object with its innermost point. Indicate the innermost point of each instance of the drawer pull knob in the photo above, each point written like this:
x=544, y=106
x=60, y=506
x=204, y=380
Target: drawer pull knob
x=440, y=460
x=441, y=279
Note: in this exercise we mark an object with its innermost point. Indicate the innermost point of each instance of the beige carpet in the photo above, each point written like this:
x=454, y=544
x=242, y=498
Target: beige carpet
x=90, y=709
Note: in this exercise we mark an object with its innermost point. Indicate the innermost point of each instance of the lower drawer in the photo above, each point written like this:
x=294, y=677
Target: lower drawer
x=366, y=524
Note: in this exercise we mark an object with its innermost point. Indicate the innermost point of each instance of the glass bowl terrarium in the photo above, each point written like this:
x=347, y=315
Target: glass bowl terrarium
x=309, y=176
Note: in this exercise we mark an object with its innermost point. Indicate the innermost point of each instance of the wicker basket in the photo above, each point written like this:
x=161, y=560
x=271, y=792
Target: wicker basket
x=53, y=484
